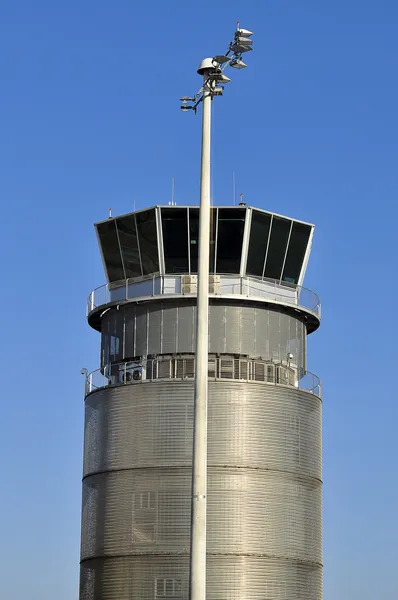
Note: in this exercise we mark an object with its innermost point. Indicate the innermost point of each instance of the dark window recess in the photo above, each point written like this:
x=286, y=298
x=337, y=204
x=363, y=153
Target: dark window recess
x=110, y=250
x=258, y=243
x=277, y=247
x=129, y=246
x=194, y=238
x=175, y=239
x=295, y=255
x=231, y=223
x=147, y=239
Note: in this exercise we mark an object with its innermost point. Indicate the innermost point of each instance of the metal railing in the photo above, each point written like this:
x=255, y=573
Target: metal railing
x=183, y=368
x=164, y=285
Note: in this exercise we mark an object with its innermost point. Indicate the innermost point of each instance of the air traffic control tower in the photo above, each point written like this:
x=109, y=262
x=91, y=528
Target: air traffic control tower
x=264, y=410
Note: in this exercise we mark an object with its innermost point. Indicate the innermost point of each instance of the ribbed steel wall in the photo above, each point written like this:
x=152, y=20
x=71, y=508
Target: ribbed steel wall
x=169, y=327
x=264, y=492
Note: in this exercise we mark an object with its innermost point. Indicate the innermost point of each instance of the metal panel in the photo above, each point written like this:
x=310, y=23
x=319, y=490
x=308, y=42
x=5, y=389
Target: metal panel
x=232, y=327
x=170, y=327
x=248, y=331
x=250, y=512
x=170, y=318
x=141, y=330
x=261, y=339
x=155, y=330
x=217, y=328
x=249, y=426
x=228, y=578
x=186, y=328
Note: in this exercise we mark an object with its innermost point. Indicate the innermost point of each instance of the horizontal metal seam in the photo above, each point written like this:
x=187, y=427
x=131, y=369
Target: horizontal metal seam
x=180, y=467
x=208, y=554
x=215, y=380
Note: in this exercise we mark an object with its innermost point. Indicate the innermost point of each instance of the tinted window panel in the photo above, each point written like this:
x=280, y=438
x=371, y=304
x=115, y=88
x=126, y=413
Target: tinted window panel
x=194, y=238
x=258, y=243
x=231, y=223
x=110, y=250
x=129, y=246
x=147, y=239
x=277, y=247
x=175, y=239
x=296, y=251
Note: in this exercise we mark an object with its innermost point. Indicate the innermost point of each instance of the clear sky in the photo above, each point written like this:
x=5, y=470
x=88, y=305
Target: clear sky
x=90, y=119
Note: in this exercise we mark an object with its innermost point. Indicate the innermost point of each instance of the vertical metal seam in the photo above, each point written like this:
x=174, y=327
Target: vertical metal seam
x=159, y=233
x=135, y=332
x=176, y=333
x=245, y=242
x=161, y=327
x=124, y=334
x=147, y=313
x=189, y=242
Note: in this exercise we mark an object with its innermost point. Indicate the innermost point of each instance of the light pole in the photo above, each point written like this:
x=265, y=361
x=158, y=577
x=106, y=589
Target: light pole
x=213, y=79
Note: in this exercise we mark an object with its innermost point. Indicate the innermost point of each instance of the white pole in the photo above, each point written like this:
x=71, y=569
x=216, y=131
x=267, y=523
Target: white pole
x=197, y=571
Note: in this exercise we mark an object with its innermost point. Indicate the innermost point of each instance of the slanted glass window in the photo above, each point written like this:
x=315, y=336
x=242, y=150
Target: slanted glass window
x=277, y=247
x=231, y=223
x=111, y=250
x=295, y=255
x=194, y=238
x=129, y=246
x=147, y=239
x=175, y=239
x=258, y=243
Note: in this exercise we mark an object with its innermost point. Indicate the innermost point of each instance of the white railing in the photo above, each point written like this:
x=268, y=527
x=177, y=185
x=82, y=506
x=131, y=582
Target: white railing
x=163, y=285
x=235, y=369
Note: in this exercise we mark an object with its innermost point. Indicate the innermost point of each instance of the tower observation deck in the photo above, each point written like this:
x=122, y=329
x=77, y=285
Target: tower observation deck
x=264, y=410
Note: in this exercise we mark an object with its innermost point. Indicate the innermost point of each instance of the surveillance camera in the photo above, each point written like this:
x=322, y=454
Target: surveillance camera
x=290, y=356
x=83, y=371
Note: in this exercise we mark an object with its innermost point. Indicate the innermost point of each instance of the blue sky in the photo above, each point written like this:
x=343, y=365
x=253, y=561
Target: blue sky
x=90, y=119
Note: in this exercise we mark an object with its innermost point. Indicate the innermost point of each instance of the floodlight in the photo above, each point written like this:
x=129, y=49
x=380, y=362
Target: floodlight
x=237, y=64
x=242, y=41
x=239, y=48
x=186, y=108
x=221, y=59
x=244, y=32
x=219, y=78
x=187, y=99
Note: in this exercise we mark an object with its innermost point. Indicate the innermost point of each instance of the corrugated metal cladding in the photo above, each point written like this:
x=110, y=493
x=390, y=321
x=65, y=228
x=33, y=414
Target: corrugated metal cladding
x=250, y=511
x=149, y=424
x=169, y=327
x=228, y=578
x=264, y=492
